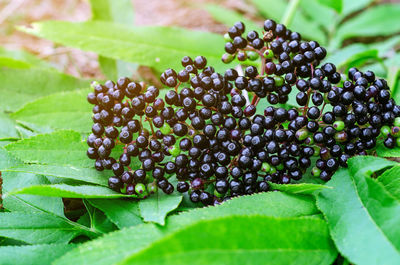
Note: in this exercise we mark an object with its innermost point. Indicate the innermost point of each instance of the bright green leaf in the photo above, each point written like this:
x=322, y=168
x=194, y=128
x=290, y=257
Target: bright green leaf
x=229, y=17
x=334, y=4
x=366, y=165
x=363, y=219
x=98, y=251
x=69, y=191
x=156, y=207
x=350, y=6
x=65, y=110
x=28, y=203
x=7, y=127
x=383, y=151
x=36, y=254
x=98, y=220
x=20, y=86
x=158, y=47
x=301, y=188
x=391, y=180
x=229, y=241
x=23, y=57
x=381, y=20
x=35, y=228
x=123, y=213
x=118, y=12
x=58, y=148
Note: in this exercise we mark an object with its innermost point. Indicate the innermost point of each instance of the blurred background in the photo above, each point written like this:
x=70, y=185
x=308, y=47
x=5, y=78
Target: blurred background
x=356, y=32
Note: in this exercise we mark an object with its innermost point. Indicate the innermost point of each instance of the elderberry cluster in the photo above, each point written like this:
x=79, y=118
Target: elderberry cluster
x=206, y=130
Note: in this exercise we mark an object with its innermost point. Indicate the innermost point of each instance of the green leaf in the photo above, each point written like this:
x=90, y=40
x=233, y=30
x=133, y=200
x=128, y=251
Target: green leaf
x=380, y=20
x=7, y=127
x=123, y=213
x=221, y=242
x=275, y=10
x=301, y=188
x=118, y=12
x=350, y=6
x=58, y=148
x=64, y=110
x=158, y=47
x=28, y=203
x=98, y=220
x=20, y=86
x=69, y=191
x=229, y=17
x=319, y=13
x=334, y=4
x=6, y=160
x=383, y=151
x=36, y=254
x=35, y=228
x=23, y=57
x=89, y=175
x=12, y=63
x=363, y=218
x=352, y=55
x=156, y=207
x=279, y=204
x=367, y=165
x=391, y=180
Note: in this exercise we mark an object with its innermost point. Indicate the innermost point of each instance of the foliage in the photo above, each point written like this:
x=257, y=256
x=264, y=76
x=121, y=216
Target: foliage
x=56, y=208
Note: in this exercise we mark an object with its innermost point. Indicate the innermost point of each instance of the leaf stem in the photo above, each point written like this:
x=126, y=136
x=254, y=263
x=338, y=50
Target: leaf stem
x=290, y=12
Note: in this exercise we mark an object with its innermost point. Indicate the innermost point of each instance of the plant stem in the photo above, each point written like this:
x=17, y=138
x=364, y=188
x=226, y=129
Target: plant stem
x=290, y=12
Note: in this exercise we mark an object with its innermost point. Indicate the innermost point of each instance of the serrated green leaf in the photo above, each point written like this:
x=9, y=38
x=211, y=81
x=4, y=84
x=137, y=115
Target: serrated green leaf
x=229, y=17
x=123, y=213
x=279, y=205
x=380, y=20
x=383, y=151
x=35, y=228
x=7, y=127
x=19, y=86
x=350, y=6
x=65, y=110
x=361, y=215
x=58, y=148
x=157, y=206
x=391, y=180
x=69, y=191
x=98, y=220
x=221, y=242
x=23, y=57
x=28, y=203
x=334, y=4
x=301, y=188
x=89, y=175
x=366, y=165
x=36, y=254
x=118, y=12
x=275, y=10
x=157, y=47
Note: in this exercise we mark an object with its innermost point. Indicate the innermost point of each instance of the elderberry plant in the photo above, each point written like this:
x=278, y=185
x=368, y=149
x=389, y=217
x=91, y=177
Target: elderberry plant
x=206, y=130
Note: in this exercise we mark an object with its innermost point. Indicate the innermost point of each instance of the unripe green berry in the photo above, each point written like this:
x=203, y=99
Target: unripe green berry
x=315, y=172
x=398, y=142
x=272, y=170
x=123, y=189
x=141, y=190
x=227, y=58
x=338, y=125
x=269, y=54
x=252, y=55
x=341, y=137
x=395, y=131
x=278, y=81
x=227, y=38
x=385, y=130
x=301, y=134
x=152, y=187
x=266, y=167
x=317, y=150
